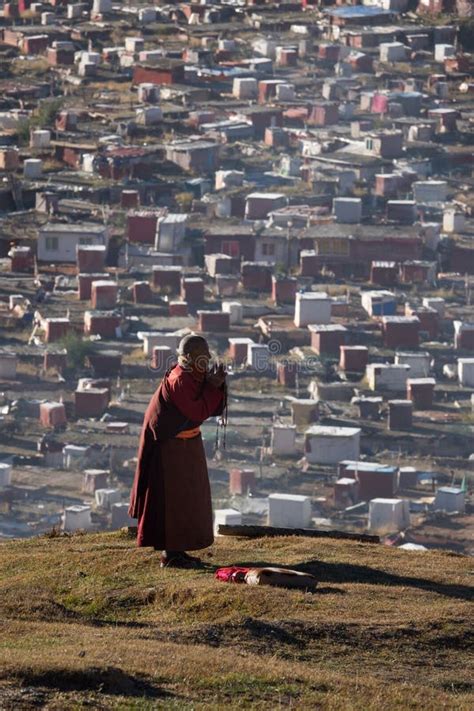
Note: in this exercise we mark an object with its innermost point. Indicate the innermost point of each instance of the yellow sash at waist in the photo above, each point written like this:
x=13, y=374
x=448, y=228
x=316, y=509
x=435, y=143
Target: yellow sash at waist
x=189, y=434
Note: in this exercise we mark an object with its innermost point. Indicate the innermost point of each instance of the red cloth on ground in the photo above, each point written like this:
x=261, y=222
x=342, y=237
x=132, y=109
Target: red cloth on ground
x=233, y=574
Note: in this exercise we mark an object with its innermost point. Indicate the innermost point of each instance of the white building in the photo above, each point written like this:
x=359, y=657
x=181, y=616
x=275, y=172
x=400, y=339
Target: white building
x=258, y=356
x=385, y=376
x=348, y=210
x=226, y=517
x=105, y=498
x=170, y=232
x=151, y=339
x=392, y=52
x=419, y=363
x=303, y=410
x=283, y=439
x=453, y=221
x=466, y=372
x=245, y=88
x=331, y=445
x=289, y=510
x=435, y=302
x=430, y=190
x=8, y=366
x=5, y=474
x=75, y=456
x=450, y=499
x=76, y=518
x=312, y=307
x=235, y=311
x=58, y=242
x=389, y=514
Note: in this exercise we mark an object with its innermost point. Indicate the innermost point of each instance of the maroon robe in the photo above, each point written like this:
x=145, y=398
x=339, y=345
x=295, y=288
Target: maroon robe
x=171, y=496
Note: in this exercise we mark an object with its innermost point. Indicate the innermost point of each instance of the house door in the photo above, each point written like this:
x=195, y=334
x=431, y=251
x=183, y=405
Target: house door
x=231, y=248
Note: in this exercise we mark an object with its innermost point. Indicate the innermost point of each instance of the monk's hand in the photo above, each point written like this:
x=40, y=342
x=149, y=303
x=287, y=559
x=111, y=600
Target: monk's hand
x=217, y=376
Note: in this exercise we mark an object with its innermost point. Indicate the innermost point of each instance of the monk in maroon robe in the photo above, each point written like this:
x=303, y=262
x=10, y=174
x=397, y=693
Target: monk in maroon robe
x=171, y=496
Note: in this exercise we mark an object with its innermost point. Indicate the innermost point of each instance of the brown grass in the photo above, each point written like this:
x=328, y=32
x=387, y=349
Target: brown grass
x=92, y=620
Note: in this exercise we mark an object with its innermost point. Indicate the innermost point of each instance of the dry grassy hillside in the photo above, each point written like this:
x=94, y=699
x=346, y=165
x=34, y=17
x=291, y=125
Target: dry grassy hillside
x=91, y=621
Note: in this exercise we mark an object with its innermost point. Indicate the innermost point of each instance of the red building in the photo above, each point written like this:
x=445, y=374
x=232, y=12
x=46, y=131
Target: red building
x=166, y=71
x=284, y=289
x=55, y=329
x=90, y=259
x=56, y=360
x=142, y=293
x=237, y=241
x=58, y=56
x=286, y=373
x=353, y=358
x=373, y=479
x=104, y=294
x=91, y=402
x=326, y=114
x=101, y=323
x=213, y=321
x=256, y=276
x=326, y=339
x=141, y=225
x=167, y=279
x=178, y=308
x=192, y=290
x=162, y=358
x=84, y=284
x=21, y=259
x=401, y=331
x=400, y=415
x=417, y=272
x=383, y=273
x=52, y=414
x=238, y=349
x=386, y=185
x=421, y=392
x=242, y=481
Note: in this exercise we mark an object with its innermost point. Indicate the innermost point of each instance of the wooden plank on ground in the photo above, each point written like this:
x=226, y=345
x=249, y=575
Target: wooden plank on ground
x=261, y=531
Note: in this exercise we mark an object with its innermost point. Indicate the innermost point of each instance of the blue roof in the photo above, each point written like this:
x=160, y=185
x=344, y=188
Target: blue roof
x=358, y=11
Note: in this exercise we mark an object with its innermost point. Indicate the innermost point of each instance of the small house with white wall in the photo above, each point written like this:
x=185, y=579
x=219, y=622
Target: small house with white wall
x=450, y=499
x=330, y=445
x=289, y=510
x=58, y=242
x=389, y=514
x=312, y=307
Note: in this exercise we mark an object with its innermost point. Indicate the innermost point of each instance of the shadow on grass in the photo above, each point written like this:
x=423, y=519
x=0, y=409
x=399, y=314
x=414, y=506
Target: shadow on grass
x=109, y=680
x=350, y=573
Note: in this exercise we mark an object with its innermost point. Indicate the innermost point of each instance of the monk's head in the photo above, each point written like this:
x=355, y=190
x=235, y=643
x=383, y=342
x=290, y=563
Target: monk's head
x=193, y=351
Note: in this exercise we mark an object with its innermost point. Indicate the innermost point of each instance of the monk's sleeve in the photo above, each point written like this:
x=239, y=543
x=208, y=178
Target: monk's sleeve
x=193, y=401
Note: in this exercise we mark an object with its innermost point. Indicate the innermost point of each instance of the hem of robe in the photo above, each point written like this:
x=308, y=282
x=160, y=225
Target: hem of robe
x=177, y=509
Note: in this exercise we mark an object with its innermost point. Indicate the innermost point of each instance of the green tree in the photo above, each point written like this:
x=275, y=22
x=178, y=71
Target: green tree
x=77, y=350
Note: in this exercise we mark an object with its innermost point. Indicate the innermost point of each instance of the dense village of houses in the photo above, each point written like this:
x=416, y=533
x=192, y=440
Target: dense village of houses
x=294, y=181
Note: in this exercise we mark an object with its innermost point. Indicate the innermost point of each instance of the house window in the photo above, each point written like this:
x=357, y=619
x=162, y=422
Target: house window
x=231, y=248
x=369, y=144
x=85, y=240
x=52, y=244
x=268, y=250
